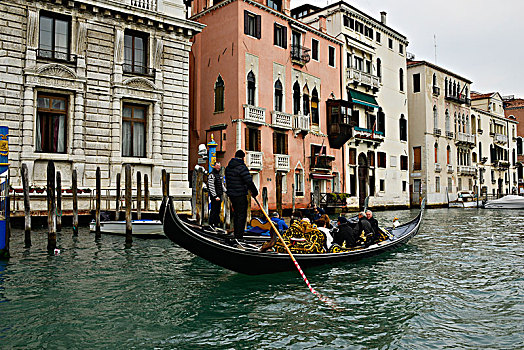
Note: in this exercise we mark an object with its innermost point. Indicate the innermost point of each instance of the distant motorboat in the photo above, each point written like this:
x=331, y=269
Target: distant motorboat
x=506, y=202
x=143, y=228
x=466, y=199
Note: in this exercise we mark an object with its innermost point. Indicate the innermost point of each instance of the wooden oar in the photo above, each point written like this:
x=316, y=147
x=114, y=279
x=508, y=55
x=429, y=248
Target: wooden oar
x=327, y=301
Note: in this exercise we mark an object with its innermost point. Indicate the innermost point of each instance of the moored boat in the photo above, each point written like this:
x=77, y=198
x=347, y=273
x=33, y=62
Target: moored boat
x=465, y=199
x=506, y=202
x=246, y=256
x=141, y=228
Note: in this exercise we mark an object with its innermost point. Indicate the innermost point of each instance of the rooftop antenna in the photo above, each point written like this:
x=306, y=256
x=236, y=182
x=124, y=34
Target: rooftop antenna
x=435, y=42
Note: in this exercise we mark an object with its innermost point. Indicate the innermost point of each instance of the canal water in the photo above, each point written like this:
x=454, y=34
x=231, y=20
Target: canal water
x=458, y=284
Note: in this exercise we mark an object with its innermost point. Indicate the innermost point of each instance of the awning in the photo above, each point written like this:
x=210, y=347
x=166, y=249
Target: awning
x=363, y=99
x=322, y=176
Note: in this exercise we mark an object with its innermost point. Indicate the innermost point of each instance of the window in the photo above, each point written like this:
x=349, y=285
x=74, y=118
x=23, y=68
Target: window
x=296, y=98
x=436, y=152
x=381, y=159
x=359, y=63
x=448, y=122
x=401, y=48
x=371, y=159
x=403, y=162
x=416, y=82
x=219, y=95
x=331, y=56
x=368, y=32
x=280, y=143
x=403, y=128
x=54, y=37
x=251, y=88
x=379, y=68
x=346, y=21
x=135, y=52
x=275, y=4
x=315, y=115
x=435, y=117
x=404, y=186
x=437, y=184
x=353, y=156
x=382, y=185
x=314, y=49
x=278, y=96
x=390, y=43
x=381, y=121
x=305, y=99
x=448, y=155
x=377, y=37
x=359, y=27
x=450, y=185
x=434, y=79
x=417, y=160
x=280, y=36
x=401, y=79
x=253, y=140
x=299, y=182
x=368, y=66
x=134, y=131
x=474, y=157
x=370, y=121
x=51, y=123
x=252, y=24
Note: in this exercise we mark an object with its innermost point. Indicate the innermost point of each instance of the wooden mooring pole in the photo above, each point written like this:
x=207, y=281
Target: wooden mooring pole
x=198, y=201
x=248, y=208
x=146, y=192
x=264, y=199
x=51, y=207
x=279, y=193
x=293, y=199
x=117, y=204
x=27, y=207
x=128, y=188
x=139, y=195
x=97, y=207
x=75, y=202
x=58, y=201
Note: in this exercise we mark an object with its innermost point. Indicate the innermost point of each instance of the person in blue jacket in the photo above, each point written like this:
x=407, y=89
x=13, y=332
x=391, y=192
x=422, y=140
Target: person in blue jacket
x=279, y=223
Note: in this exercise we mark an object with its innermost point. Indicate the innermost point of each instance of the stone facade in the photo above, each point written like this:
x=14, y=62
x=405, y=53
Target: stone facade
x=86, y=77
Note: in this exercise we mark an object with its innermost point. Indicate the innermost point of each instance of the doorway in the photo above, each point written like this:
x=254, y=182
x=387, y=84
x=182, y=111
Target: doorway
x=363, y=179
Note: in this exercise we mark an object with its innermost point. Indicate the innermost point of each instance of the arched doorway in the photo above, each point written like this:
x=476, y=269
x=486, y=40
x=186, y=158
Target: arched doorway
x=362, y=178
x=500, y=193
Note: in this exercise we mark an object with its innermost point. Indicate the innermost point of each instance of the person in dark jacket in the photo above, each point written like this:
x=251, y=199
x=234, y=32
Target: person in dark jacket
x=279, y=223
x=374, y=224
x=239, y=181
x=365, y=229
x=344, y=234
x=215, y=185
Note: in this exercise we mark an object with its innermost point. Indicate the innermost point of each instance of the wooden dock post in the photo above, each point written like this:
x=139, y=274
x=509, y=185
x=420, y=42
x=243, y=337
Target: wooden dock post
x=194, y=193
x=164, y=183
x=293, y=199
x=198, y=187
x=27, y=207
x=97, y=200
x=248, y=208
x=316, y=196
x=146, y=192
x=279, y=193
x=205, y=204
x=117, y=204
x=129, y=227
x=224, y=199
x=75, y=202
x=264, y=199
x=58, y=201
x=139, y=195
x=51, y=207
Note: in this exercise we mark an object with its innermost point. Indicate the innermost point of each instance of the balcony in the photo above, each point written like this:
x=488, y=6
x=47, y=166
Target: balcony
x=281, y=120
x=55, y=55
x=450, y=169
x=281, y=162
x=449, y=134
x=339, y=122
x=150, y=5
x=256, y=115
x=465, y=139
x=501, y=139
x=480, y=131
x=437, y=132
x=300, y=54
x=466, y=170
x=359, y=77
x=501, y=164
x=320, y=162
x=301, y=123
x=458, y=99
x=367, y=135
x=438, y=168
x=254, y=160
x=138, y=70
x=436, y=90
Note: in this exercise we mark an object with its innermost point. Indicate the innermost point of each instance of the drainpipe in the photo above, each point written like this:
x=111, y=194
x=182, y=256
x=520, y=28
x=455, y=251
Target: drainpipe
x=239, y=135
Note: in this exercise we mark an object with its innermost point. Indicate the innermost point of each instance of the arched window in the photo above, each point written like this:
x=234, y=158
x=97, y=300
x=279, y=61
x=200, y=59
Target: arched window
x=251, y=87
x=434, y=79
x=379, y=68
x=458, y=89
x=381, y=121
x=314, y=107
x=296, y=98
x=448, y=155
x=435, y=117
x=473, y=124
x=519, y=146
x=403, y=128
x=456, y=123
x=468, y=128
x=219, y=95
x=401, y=79
x=454, y=89
x=474, y=157
x=446, y=86
x=305, y=99
x=448, y=122
x=436, y=152
x=480, y=151
x=278, y=96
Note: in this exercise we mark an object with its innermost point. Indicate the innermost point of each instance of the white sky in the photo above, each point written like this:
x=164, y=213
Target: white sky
x=480, y=40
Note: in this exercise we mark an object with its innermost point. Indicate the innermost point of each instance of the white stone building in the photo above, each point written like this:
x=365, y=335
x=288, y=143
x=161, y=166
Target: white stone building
x=92, y=84
x=374, y=78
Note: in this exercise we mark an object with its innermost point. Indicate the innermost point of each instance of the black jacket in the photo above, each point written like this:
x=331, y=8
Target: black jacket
x=374, y=225
x=344, y=232
x=238, y=179
x=214, y=184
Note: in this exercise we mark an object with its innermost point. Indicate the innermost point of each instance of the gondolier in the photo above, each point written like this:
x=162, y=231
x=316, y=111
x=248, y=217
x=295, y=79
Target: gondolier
x=239, y=181
x=215, y=185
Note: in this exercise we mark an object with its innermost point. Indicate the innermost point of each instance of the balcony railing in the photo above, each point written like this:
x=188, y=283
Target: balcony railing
x=436, y=90
x=281, y=162
x=254, y=114
x=300, y=54
x=501, y=164
x=438, y=168
x=450, y=169
x=437, y=132
x=501, y=138
x=466, y=170
x=459, y=99
x=150, y=5
x=362, y=77
x=301, y=122
x=254, y=160
x=281, y=120
x=465, y=138
x=449, y=134
x=56, y=55
x=320, y=162
x=136, y=69
x=367, y=134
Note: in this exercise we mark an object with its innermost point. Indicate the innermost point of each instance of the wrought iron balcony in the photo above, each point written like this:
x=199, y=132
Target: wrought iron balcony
x=281, y=120
x=55, y=55
x=301, y=123
x=501, y=138
x=467, y=139
x=450, y=169
x=449, y=134
x=436, y=90
x=438, y=168
x=437, y=132
x=300, y=54
x=462, y=99
x=139, y=70
x=281, y=162
x=501, y=164
x=321, y=162
x=363, y=78
x=254, y=160
x=466, y=170
x=254, y=114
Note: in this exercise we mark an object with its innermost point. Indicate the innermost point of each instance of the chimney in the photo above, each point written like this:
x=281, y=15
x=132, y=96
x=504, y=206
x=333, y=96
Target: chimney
x=322, y=23
x=383, y=17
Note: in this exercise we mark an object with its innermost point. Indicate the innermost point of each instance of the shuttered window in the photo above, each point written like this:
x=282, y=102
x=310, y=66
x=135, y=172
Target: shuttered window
x=417, y=163
x=253, y=140
x=252, y=24
x=280, y=143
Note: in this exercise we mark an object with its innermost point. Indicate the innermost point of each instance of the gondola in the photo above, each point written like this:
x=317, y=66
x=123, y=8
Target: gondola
x=246, y=257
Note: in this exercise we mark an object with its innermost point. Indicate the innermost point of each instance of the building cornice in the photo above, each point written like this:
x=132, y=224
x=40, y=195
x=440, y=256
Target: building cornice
x=434, y=66
x=496, y=116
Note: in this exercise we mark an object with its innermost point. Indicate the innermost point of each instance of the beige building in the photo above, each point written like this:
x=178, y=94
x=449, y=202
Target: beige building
x=497, y=145
x=442, y=135
x=92, y=84
x=374, y=133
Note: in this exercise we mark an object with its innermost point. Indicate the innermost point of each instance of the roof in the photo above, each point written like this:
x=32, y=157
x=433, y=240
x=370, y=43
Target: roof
x=477, y=96
x=434, y=66
x=518, y=102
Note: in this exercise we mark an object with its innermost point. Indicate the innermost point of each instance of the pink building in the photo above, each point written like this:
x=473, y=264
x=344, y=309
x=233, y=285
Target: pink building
x=261, y=81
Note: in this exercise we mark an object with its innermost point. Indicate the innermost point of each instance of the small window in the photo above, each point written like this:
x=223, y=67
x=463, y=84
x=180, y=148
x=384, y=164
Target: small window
x=253, y=140
x=134, y=131
x=381, y=159
x=416, y=82
x=403, y=162
x=315, y=115
x=390, y=43
x=280, y=37
x=401, y=49
x=346, y=21
x=437, y=184
x=280, y=143
x=450, y=185
x=305, y=100
x=353, y=156
x=403, y=128
x=417, y=160
x=299, y=182
x=219, y=95
x=252, y=24
x=331, y=56
x=296, y=98
x=377, y=37
x=314, y=49
x=401, y=79
x=135, y=52
x=278, y=96
x=54, y=37
x=382, y=185
x=275, y=4
x=251, y=88
x=51, y=123
x=404, y=186
x=368, y=32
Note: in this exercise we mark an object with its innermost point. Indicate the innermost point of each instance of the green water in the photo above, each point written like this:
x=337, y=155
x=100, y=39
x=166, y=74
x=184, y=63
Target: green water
x=459, y=284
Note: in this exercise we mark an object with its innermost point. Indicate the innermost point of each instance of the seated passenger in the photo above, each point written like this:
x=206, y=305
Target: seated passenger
x=373, y=222
x=279, y=223
x=296, y=216
x=321, y=225
x=344, y=235
x=365, y=230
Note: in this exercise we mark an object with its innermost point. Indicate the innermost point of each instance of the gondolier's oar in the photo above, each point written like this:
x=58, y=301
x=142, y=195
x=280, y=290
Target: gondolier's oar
x=325, y=300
